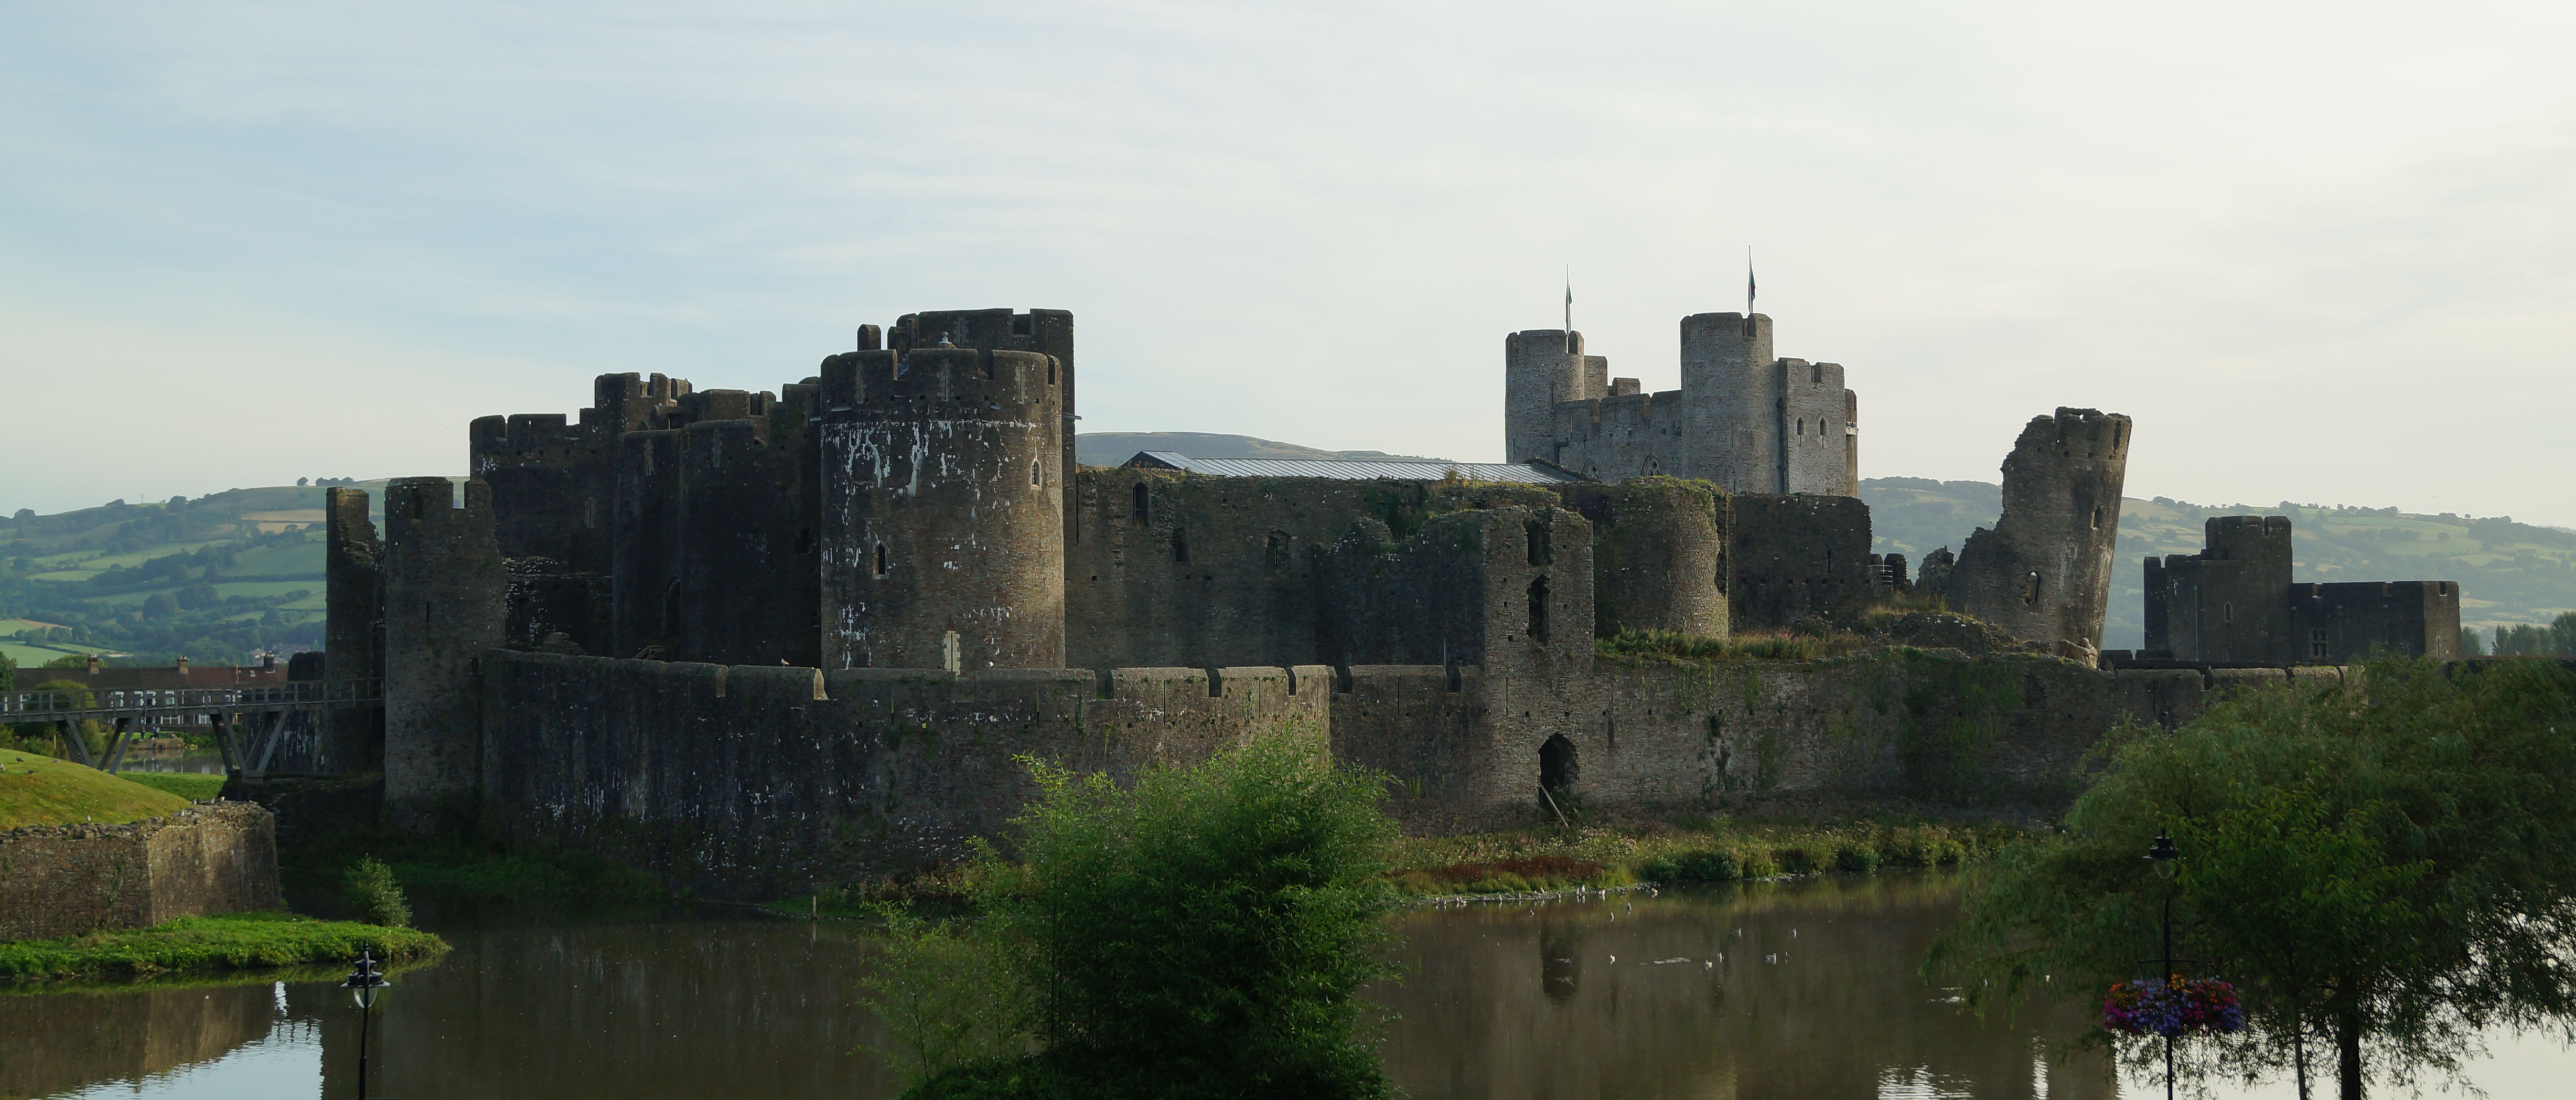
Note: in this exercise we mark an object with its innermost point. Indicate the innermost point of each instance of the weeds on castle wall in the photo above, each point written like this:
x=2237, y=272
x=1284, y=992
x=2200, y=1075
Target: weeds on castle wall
x=1675, y=647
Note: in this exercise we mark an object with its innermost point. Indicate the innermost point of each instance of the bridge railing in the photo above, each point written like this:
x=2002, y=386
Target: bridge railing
x=60, y=705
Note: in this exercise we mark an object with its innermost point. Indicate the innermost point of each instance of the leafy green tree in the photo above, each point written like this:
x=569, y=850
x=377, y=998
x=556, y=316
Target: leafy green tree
x=1203, y=932
x=2470, y=644
x=2385, y=867
x=8, y=673
x=197, y=596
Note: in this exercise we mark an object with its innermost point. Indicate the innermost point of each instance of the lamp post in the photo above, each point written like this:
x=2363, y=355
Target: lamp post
x=364, y=985
x=2167, y=860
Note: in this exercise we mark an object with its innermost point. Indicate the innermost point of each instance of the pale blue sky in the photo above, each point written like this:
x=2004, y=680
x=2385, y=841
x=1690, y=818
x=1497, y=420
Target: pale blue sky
x=2320, y=251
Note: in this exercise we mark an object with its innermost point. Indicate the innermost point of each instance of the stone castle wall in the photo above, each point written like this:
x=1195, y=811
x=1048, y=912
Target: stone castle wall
x=756, y=781
x=66, y=880
x=762, y=781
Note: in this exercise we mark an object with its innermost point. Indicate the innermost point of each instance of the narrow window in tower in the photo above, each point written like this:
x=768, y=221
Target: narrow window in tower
x=1050, y=370
x=2317, y=643
x=2227, y=612
x=1033, y=474
x=1180, y=548
x=1142, y=510
x=2030, y=594
x=2097, y=519
x=881, y=559
x=1802, y=425
x=1538, y=610
x=1540, y=550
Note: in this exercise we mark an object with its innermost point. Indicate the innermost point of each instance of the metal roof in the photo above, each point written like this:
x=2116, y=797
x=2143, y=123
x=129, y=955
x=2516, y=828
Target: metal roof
x=1347, y=470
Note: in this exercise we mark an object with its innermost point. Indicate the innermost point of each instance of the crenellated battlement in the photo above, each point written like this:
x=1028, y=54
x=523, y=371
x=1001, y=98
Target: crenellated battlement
x=950, y=382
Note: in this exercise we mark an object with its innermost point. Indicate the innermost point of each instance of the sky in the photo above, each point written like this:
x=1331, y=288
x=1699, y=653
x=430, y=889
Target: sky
x=2321, y=252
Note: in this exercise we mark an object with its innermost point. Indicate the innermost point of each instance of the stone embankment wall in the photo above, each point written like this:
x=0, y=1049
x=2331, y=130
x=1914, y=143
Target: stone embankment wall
x=65, y=880
x=756, y=781
x=764, y=781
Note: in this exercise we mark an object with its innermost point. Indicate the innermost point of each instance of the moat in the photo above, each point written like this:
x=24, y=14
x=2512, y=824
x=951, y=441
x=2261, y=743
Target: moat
x=1802, y=989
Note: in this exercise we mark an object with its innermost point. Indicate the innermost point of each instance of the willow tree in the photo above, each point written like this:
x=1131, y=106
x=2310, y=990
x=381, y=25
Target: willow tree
x=2384, y=866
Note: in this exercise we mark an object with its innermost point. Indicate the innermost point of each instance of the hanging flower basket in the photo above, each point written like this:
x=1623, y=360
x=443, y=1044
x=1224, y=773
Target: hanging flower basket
x=2174, y=1007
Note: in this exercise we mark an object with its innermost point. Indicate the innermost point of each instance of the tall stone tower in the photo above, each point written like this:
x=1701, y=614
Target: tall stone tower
x=1540, y=368
x=445, y=596
x=943, y=509
x=1732, y=394
x=2044, y=573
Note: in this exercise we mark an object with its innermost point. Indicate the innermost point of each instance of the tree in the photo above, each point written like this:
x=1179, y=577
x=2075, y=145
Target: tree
x=2384, y=866
x=1204, y=932
x=8, y=673
x=2470, y=643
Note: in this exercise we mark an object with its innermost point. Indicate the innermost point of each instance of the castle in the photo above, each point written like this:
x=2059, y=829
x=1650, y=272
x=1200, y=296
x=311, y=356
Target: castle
x=757, y=641
x=1743, y=420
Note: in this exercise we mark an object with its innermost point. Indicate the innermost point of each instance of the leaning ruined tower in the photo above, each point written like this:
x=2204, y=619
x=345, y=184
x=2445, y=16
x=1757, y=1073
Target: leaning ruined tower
x=942, y=527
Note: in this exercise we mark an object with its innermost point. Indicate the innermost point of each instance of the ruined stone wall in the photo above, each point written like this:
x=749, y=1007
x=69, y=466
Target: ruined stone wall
x=1465, y=750
x=445, y=595
x=1795, y=556
x=1496, y=587
x=1659, y=554
x=1170, y=569
x=943, y=512
x=763, y=781
x=352, y=738
x=2339, y=623
x=2043, y=573
x=65, y=880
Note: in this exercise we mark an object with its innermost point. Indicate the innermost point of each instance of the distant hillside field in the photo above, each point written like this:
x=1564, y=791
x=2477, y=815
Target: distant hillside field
x=214, y=579
x=2508, y=572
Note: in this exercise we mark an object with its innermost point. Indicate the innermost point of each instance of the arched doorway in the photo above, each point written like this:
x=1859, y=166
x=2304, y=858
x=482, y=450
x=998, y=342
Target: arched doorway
x=1557, y=772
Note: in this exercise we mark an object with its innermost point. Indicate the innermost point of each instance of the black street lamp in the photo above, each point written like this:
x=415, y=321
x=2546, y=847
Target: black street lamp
x=365, y=984
x=2167, y=860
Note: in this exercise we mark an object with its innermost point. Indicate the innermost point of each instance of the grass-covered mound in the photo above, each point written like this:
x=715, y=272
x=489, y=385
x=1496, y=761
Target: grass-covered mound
x=40, y=790
x=232, y=942
x=194, y=788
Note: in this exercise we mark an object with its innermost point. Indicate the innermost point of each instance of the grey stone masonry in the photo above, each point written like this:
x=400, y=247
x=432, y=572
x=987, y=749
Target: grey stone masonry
x=2043, y=574
x=1743, y=419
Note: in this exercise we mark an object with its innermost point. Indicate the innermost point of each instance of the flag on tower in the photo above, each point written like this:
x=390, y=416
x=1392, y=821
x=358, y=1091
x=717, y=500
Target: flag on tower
x=1569, y=299
x=1748, y=280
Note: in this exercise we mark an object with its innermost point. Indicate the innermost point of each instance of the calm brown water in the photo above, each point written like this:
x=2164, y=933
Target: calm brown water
x=1774, y=990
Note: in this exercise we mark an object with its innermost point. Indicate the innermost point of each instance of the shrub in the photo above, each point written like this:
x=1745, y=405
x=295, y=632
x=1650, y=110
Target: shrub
x=947, y=992
x=1704, y=866
x=379, y=898
x=1798, y=860
x=1760, y=863
x=1204, y=932
x=1853, y=855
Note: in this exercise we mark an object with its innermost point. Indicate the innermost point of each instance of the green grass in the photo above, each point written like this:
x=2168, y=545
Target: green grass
x=235, y=941
x=187, y=785
x=1562, y=859
x=40, y=790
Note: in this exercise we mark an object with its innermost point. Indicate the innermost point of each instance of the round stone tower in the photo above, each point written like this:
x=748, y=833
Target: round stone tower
x=943, y=509
x=1540, y=368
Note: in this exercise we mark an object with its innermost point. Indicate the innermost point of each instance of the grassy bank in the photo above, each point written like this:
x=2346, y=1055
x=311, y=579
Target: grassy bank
x=233, y=942
x=1698, y=850
x=187, y=785
x=40, y=790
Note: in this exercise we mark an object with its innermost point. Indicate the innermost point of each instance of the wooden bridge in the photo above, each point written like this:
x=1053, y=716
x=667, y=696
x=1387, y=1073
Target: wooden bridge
x=249, y=719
